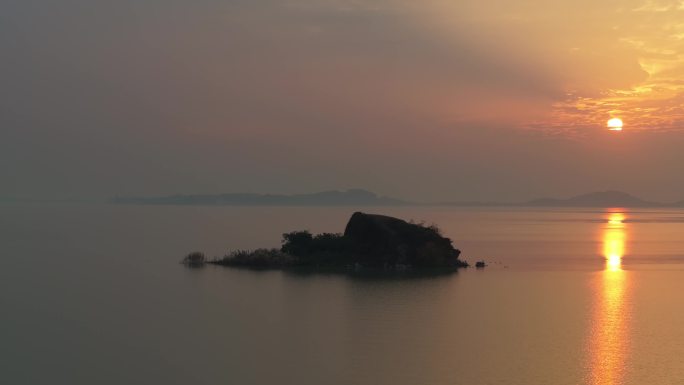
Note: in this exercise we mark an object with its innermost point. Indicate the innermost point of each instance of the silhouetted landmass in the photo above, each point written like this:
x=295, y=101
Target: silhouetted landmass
x=354, y=197
x=473, y=204
x=596, y=199
x=369, y=241
x=357, y=197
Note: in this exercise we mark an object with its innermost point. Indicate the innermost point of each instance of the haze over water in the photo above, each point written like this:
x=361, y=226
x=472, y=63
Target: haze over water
x=95, y=294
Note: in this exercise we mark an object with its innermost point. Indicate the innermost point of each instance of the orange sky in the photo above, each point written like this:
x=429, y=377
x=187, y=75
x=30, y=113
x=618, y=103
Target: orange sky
x=606, y=58
x=493, y=100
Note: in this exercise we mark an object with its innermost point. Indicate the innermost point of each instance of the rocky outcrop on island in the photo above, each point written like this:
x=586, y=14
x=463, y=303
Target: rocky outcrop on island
x=380, y=240
x=369, y=241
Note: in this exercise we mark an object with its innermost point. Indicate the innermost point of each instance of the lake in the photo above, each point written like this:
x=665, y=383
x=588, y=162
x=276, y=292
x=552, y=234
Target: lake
x=95, y=294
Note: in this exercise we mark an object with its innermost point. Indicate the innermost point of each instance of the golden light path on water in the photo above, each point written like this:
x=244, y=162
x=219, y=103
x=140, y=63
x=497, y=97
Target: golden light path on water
x=608, y=342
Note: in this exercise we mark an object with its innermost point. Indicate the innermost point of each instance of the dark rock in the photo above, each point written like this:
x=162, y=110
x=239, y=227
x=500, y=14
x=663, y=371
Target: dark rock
x=383, y=241
x=480, y=264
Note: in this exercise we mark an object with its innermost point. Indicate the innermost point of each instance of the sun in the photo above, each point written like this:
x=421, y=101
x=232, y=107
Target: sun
x=615, y=124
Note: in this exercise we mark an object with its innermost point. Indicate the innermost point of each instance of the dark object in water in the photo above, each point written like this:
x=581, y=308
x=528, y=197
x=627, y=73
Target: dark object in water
x=369, y=241
x=194, y=259
x=380, y=240
x=480, y=264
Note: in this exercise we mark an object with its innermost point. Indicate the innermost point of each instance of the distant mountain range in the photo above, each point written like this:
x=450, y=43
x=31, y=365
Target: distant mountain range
x=598, y=199
x=354, y=197
x=358, y=197
x=609, y=198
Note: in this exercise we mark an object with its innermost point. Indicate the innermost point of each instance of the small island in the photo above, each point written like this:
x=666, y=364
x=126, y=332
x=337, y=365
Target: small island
x=369, y=241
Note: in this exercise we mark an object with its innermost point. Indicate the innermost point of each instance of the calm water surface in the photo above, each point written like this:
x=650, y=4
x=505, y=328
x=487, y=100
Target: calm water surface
x=94, y=294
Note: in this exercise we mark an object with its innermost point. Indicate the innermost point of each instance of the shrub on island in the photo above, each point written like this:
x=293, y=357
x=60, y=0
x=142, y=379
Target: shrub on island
x=258, y=259
x=194, y=259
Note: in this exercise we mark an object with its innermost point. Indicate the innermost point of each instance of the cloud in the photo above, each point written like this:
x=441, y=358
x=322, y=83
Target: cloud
x=651, y=33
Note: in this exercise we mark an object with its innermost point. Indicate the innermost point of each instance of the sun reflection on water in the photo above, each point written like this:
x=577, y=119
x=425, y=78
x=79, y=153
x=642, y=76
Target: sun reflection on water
x=608, y=340
x=614, y=239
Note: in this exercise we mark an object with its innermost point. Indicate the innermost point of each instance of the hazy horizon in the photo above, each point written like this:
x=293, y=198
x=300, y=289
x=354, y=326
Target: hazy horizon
x=363, y=197
x=422, y=102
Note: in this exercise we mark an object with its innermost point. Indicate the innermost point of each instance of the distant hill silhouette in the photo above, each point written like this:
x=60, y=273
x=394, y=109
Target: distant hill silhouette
x=595, y=199
x=359, y=197
x=353, y=197
x=610, y=198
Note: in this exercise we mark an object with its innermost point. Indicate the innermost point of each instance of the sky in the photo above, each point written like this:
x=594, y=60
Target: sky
x=432, y=100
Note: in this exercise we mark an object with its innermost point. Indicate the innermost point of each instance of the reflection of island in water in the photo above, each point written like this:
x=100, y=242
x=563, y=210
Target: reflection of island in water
x=608, y=341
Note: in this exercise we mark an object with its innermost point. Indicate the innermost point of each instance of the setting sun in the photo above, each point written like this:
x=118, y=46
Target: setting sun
x=615, y=124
